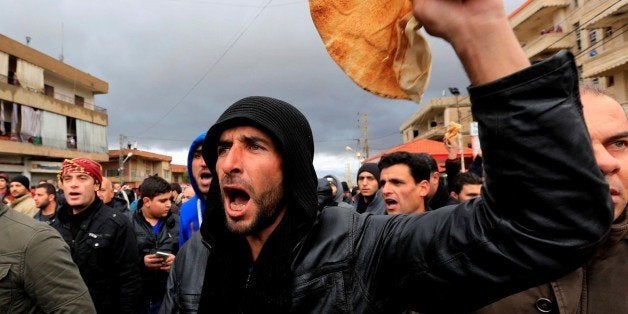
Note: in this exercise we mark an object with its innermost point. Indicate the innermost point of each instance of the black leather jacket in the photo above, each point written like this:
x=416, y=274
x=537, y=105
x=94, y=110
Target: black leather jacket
x=532, y=224
x=105, y=252
x=185, y=282
x=154, y=281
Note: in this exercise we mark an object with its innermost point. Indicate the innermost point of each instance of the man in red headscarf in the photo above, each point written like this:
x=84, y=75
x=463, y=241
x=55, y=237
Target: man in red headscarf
x=102, y=240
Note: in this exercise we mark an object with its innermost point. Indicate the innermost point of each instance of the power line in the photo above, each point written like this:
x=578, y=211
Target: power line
x=603, y=41
x=580, y=26
x=198, y=82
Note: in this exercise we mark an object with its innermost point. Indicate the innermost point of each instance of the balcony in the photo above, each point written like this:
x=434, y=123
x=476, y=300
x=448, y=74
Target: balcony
x=17, y=94
x=35, y=150
x=604, y=13
x=608, y=59
x=535, y=12
x=547, y=44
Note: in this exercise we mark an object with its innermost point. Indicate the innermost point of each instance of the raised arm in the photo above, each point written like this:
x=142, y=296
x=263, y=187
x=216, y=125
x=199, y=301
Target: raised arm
x=479, y=32
x=545, y=204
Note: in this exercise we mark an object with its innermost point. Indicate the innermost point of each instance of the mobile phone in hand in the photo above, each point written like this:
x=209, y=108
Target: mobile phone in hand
x=163, y=255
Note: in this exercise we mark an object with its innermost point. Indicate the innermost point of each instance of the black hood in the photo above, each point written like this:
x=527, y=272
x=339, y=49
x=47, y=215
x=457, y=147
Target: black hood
x=293, y=137
x=231, y=279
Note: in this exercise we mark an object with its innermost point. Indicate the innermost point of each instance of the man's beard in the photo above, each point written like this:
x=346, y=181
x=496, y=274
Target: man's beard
x=269, y=204
x=43, y=204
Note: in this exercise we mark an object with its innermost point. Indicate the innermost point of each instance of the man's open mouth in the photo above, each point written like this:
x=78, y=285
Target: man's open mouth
x=205, y=178
x=237, y=198
x=390, y=202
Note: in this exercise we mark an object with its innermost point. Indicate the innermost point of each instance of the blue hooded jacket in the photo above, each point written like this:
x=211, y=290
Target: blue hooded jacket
x=194, y=207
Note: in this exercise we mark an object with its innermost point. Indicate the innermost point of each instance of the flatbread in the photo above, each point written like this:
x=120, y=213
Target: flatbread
x=376, y=43
x=453, y=130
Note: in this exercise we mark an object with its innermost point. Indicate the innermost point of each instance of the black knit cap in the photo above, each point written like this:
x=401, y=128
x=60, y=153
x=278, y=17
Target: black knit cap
x=370, y=168
x=22, y=180
x=292, y=135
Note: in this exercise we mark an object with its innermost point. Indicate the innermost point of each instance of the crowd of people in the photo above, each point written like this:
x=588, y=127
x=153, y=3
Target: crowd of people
x=539, y=222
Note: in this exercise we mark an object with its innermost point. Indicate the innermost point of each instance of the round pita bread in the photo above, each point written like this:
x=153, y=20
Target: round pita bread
x=376, y=43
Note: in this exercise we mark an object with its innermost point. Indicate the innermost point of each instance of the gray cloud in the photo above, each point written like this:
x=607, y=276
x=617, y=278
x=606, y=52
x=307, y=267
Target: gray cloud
x=153, y=53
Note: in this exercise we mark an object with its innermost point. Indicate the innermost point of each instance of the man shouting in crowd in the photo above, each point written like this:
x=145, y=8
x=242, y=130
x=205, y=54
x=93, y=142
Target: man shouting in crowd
x=268, y=250
x=101, y=240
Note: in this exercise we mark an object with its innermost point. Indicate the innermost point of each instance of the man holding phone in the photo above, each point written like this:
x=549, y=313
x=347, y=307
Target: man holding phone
x=157, y=232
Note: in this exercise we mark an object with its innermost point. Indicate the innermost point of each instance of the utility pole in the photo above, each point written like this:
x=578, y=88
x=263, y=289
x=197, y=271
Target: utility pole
x=456, y=93
x=363, y=123
x=121, y=159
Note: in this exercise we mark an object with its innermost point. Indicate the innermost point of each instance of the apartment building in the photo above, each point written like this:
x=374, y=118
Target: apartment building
x=131, y=166
x=47, y=113
x=595, y=31
x=431, y=121
x=179, y=173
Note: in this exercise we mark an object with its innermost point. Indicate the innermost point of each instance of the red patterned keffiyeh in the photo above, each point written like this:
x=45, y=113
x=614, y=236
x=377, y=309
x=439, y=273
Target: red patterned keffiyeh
x=81, y=165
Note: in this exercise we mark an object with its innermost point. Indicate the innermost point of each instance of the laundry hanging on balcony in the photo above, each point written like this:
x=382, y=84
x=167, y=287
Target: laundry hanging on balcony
x=31, y=124
x=2, y=130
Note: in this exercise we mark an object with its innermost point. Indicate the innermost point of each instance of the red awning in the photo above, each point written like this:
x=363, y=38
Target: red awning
x=435, y=148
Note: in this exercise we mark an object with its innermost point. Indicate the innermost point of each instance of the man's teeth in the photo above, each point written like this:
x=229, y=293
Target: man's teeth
x=237, y=206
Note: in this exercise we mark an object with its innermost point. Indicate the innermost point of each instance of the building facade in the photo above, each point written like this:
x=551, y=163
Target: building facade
x=132, y=166
x=47, y=113
x=595, y=31
x=431, y=121
x=179, y=173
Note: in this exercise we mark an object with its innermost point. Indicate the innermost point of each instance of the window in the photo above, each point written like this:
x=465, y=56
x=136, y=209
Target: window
x=592, y=37
x=610, y=81
x=71, y=127
x=111, y=173
x=608, y=32
x=79, y=101
x=580, y=73
x=12, y=68
x=167, y=174
x=576, y=28
x=49, y=90
x=575, y=3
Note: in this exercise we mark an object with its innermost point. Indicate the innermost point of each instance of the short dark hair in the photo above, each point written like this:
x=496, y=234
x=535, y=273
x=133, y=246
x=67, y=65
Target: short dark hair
x=176, y=187
x=430, y=161
x=153, y=186
x=50, y=189
x=419, y=166
x=595, y=90
x=463, y=179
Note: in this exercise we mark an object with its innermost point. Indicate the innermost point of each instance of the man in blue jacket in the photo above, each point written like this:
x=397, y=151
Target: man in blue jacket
x=191, y=212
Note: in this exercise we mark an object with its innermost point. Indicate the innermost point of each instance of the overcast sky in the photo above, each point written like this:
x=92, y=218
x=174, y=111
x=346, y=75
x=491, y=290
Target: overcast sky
x=173, y=66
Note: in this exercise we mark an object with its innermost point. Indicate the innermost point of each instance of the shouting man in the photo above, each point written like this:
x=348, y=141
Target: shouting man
x=101, y=240
x=265, y=248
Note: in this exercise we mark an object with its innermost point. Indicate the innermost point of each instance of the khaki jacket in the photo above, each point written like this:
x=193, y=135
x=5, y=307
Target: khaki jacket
x=600, y=286
x=25, y=205
x=37, y=274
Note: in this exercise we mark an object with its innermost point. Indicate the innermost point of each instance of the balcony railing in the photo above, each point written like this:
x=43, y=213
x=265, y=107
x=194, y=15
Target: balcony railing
x=605, y=61
x=602, y=13
x=44, y=141
x=533, y=9
x=548, y=43
x=59, y=97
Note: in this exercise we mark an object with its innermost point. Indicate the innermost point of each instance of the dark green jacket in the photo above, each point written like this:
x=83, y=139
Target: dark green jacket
x=37, y=274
